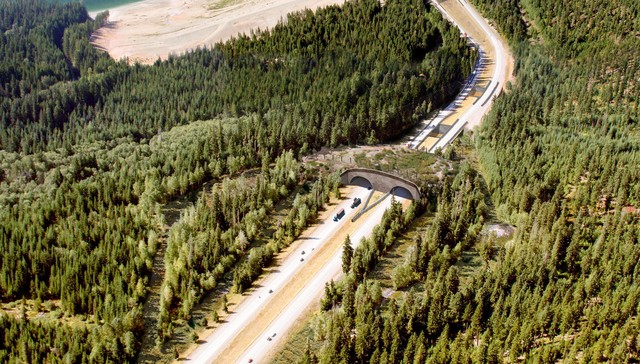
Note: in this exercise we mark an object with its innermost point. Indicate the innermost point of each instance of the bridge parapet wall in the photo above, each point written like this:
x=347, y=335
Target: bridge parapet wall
x=380, y=181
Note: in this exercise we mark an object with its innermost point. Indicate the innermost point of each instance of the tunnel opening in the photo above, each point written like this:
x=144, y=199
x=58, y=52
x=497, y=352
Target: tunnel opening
x=362, y=182
x=402, y=192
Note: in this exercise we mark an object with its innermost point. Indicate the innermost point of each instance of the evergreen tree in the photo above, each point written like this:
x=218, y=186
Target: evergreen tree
x=347, y=254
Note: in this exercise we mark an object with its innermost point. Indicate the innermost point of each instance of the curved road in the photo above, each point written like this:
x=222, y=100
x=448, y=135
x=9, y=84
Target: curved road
x=493, y=69
x=259, y=342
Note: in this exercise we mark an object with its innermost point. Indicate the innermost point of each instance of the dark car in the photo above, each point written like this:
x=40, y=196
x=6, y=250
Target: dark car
x=356, y=202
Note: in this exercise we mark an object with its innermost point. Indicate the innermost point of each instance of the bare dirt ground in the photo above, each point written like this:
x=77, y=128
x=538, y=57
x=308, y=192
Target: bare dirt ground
x=152, y=29
x=500, y=230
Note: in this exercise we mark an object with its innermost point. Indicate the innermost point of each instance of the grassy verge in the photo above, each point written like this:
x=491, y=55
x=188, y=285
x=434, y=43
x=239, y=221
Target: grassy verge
x=299, y=342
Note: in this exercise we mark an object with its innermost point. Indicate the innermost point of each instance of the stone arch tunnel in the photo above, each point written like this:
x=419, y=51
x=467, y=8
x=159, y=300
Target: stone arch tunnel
x=381, y=181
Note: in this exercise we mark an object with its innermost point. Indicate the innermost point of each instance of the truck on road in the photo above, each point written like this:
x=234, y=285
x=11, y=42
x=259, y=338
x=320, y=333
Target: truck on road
x=339, y=215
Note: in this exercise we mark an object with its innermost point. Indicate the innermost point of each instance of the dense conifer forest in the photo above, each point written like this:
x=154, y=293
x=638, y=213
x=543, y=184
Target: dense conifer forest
x=91, y=148
x=558, y=157
x=359, y=69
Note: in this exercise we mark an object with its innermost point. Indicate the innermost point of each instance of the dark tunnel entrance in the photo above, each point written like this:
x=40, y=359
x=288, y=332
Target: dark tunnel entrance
x=362, y=182
x=401, y=192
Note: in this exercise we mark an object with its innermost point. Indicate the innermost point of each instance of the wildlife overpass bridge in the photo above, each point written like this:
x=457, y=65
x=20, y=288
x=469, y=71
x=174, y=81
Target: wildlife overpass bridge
x=381, y=181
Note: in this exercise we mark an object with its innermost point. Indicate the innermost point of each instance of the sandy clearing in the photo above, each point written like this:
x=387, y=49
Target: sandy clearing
x=152, y=29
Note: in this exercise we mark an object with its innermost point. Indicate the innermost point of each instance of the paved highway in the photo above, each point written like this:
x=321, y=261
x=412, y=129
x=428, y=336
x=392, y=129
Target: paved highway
x=468, y=108
x=255, y=302
x=245, y=314
x=311, y=292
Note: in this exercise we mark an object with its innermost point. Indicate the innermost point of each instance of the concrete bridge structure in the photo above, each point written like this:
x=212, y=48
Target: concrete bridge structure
x=381, y=181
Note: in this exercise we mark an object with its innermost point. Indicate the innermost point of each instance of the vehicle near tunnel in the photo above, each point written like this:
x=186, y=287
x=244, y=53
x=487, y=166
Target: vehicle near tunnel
x=356, y=202
x=380, y=181
x=339, y=215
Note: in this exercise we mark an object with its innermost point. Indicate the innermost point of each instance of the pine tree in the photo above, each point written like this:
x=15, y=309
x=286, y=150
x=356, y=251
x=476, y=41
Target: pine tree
x=347, y=255
x=224, y=303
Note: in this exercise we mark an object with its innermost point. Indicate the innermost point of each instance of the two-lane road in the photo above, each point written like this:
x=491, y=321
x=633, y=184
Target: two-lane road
x=248, y=333
x=311, y=293
x=241, y=321
x=493, y=70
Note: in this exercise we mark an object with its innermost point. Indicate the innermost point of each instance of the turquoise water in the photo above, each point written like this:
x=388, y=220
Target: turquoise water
x=98, y=5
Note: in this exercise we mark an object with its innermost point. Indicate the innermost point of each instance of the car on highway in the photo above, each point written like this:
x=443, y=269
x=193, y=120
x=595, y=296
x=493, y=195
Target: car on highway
x=356, y=202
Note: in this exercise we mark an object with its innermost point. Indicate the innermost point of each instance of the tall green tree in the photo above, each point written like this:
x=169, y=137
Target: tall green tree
x=347, y=254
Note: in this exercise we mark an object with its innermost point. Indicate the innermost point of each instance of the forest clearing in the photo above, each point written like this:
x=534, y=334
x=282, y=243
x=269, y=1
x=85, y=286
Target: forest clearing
x=155, y=29
x=523, y=247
